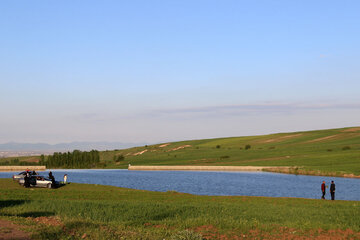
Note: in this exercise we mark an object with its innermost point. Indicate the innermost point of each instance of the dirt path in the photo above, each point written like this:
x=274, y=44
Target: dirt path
x=11, y=231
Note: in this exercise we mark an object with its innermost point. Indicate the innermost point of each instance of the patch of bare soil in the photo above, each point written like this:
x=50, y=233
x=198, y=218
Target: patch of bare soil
x=178, y=148
x=211, y=232
x=350, y=175
x=347, y=135
x=9, y=230
x=139, y=153
x=322, y=139
x=164, y=145
x=290, y=233
x=282, y=138
x=355, y=129
x=51, y=221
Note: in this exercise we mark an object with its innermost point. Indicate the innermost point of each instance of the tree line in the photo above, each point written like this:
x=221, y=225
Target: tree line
x=15, y=162
x=75, y=159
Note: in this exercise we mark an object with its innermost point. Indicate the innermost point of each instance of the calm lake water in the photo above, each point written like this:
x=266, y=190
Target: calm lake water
x=214, y=183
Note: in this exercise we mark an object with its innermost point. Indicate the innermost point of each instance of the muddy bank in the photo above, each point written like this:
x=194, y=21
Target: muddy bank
x=21, y=168
x=300, y=171
x=202, y=168
x=287, y=170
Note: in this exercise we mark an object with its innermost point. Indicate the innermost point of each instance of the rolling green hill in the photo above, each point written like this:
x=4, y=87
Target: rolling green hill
x=333, y=151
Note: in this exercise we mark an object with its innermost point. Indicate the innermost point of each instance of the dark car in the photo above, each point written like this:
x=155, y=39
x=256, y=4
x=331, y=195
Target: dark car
x=40, y=181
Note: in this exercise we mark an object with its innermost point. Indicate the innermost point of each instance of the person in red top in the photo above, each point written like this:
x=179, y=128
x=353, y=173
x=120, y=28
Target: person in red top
x=323, y=187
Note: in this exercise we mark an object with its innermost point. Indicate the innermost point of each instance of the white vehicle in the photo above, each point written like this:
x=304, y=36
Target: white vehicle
x=39, y=181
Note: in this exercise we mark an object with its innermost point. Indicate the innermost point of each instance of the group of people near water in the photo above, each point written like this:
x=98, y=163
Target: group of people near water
x=332, y=190
x=30, y=173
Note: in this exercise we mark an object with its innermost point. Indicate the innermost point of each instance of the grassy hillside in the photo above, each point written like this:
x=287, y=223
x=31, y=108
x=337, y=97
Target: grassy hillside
x=334, y=150
x=326, y=152
x=84, y=211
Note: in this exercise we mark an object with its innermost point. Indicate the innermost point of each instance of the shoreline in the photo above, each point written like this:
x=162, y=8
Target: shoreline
x=204, y=168
x=299, y=171
x=280, y=169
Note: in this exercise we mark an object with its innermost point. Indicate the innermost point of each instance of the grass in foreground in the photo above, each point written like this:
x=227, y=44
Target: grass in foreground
x=85, y=211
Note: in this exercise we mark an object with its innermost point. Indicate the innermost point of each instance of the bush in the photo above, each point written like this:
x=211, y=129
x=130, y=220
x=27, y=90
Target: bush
x=329, y=150
x=247, y=147
x=218, y=146
x=119, y=158
x=223, y=157
x=346, y=148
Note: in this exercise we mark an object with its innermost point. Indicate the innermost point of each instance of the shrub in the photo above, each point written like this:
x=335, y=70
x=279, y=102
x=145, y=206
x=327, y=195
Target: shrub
x=346, y=148
x=218, y=146
x=329, y=150
x=119, y=158
x=247, y=147
x=223, y=157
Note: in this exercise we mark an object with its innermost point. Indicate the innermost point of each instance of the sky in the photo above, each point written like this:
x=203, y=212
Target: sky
x=157, y=71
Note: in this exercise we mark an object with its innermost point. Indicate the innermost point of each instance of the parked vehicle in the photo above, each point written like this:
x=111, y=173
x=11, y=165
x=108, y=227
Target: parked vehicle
x=20, y=176
x=40, y=181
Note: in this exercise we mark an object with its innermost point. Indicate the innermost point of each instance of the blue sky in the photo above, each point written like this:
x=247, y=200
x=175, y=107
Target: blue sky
x=157, y=71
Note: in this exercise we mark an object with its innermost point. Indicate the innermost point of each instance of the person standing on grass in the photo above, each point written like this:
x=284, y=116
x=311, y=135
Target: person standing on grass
x=26, y=180
x=323, y=187
x=332, y=190
x=51, y=176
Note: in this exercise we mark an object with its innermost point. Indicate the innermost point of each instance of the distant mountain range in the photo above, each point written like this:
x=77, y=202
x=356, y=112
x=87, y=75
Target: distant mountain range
x=84, y=146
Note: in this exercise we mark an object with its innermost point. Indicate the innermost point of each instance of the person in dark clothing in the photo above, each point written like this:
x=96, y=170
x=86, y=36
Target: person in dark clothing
x=332, y=190
x=323, y=187
x=52, y=178
x=27, y=180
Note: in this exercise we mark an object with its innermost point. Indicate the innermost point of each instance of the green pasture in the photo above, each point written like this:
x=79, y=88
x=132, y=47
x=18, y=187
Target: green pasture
x=106, y=212
x=334, y=150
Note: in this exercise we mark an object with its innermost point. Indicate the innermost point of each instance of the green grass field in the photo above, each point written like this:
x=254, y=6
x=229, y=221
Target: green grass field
x=334, y=151
x=105, y=212
x=328, y=151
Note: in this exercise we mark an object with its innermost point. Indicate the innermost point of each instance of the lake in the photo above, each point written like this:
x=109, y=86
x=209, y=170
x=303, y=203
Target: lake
x=213, y=183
